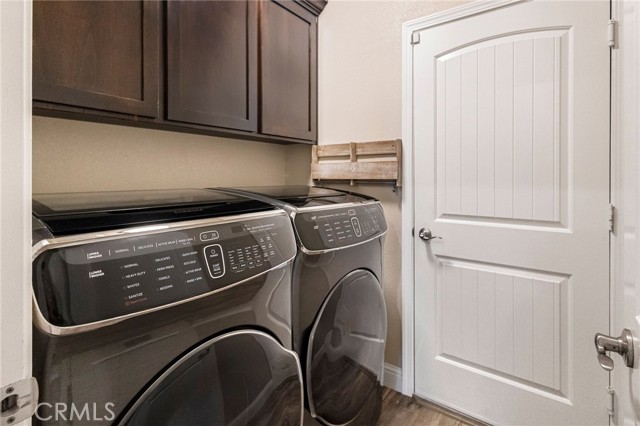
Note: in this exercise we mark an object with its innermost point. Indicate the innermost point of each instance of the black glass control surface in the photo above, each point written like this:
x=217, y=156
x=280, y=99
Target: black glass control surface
x=74, y=213
x=101, y=280
x=346, y=349
x=340, y=227
x=302, y=196
x=239, y=379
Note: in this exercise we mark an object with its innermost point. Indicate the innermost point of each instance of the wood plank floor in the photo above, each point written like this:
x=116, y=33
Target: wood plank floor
x=401, y=410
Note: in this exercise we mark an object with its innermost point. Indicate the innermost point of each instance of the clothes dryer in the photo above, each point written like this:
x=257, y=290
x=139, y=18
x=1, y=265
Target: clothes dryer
x=339, y=314
x=163, y=308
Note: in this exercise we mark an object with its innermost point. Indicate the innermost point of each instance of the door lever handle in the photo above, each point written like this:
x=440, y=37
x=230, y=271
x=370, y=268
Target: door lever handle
x=425, y=235
x=622, y=345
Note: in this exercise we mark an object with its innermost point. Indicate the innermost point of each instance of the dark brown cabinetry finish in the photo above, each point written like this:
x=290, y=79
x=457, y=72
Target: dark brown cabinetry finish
x=237, y=68
x=103, y=55
x=288, y=72
x=212, y=63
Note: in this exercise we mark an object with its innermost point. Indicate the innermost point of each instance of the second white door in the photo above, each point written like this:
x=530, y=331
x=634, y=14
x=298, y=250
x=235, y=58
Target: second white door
x=511, y=146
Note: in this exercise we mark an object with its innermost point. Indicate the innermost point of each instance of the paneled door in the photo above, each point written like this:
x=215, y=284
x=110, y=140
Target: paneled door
x=511, y=154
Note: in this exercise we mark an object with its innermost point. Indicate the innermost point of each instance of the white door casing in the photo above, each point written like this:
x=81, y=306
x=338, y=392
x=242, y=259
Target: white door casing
x=626, y=197
x=511, y=167
x=15, y=193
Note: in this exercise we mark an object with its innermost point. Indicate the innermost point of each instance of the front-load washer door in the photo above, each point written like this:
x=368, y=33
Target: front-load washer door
x=238, y=379
x=346, y=349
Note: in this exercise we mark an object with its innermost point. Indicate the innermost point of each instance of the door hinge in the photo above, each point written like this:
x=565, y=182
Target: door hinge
x=19, y=401
x=415, y=38
x=612, y=217
x=612, y=34
x=611, y=401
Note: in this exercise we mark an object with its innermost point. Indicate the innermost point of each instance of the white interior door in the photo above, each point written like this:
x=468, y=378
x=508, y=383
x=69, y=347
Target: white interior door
x=511, y=154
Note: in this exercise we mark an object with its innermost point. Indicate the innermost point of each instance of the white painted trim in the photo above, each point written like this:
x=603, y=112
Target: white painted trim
x=15, y=191
x=392, y=377
x=625, y=191
x=465, y=11
x=407, y=213
x=408, y=28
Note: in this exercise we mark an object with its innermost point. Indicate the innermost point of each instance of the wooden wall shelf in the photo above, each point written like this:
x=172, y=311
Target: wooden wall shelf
x=379, y=161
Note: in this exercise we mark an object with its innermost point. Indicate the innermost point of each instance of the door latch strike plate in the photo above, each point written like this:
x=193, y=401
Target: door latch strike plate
x=612, y=34
x=611, y=401
x=612, y=217
x=19, y=401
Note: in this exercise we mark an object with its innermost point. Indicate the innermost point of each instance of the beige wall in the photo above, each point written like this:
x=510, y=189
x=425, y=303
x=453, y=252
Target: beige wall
x=71, y=156
x=360, y=99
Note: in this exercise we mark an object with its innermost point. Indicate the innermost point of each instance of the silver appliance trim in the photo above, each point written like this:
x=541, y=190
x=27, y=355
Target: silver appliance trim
x=324, y=251
x=312, y=333
x=210, y=342
x=49, y=244
x=292, y=210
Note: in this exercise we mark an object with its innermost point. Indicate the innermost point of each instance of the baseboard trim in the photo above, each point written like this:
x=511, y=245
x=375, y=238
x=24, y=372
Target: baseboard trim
x=451, y=412
x=392, y=377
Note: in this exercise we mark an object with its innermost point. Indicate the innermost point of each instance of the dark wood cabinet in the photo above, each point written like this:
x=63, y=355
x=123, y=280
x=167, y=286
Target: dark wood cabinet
x=238, y=68
x=103, y=55
x=212, y=63
x=288, y=70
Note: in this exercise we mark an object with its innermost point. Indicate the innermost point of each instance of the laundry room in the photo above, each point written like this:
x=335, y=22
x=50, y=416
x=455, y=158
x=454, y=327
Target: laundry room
x=456, y=179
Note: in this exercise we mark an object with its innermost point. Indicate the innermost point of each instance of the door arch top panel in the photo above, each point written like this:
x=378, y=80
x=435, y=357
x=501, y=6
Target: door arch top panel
x=502, y=151
x=346, y=349
x=238, y=379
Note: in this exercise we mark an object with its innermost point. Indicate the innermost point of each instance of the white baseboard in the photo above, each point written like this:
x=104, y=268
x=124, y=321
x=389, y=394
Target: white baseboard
x=392, y=377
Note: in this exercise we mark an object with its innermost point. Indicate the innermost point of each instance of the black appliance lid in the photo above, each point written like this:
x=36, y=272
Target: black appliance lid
x=305, y=196
x=80, y=212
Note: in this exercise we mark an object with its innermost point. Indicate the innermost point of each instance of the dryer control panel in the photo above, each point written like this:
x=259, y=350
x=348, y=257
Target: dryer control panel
x=104, y=279
x=327, y=229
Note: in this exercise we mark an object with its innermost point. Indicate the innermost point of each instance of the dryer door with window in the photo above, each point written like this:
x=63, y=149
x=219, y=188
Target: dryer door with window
x=240, y=378
x=346, y=349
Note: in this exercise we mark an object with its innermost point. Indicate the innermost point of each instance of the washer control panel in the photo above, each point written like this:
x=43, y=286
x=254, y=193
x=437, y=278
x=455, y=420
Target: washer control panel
x=326, y=229
x=100, y=280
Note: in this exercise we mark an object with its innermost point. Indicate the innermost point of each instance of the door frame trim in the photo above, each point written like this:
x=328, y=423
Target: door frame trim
x=625, y=192
x=15, y=193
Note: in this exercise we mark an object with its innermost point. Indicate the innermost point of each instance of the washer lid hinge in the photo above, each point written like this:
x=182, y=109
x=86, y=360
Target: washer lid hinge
x=19, y=401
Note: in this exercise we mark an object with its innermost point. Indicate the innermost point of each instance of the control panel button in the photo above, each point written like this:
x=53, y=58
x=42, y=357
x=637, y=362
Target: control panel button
x=356, y=226
x=351, y=212
x=209, y=235
x=215, y=260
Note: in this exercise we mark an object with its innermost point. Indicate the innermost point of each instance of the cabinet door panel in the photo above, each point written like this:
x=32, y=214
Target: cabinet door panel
x=97, y=54
x=288, y=70
x=212, y=63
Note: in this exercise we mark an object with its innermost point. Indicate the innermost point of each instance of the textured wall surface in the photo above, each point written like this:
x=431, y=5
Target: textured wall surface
x=360, y=99
x=71, y=156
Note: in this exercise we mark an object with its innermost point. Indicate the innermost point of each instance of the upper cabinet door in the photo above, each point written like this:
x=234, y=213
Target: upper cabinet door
x=212, y=63
x=102, y=55
x=288, y=70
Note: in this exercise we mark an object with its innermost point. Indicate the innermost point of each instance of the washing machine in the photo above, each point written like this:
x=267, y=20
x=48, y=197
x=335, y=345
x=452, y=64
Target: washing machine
x=339, y=314
x=163, y=308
